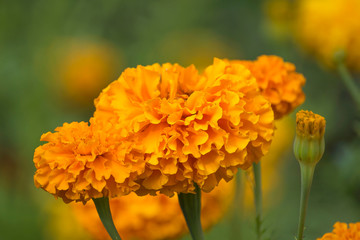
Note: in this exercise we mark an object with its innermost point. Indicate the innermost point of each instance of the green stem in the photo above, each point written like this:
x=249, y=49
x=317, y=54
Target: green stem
x=258, y=198
x=103, y=209
x=191, y=207
x=307, y=173
x=238, y=206
x=347, y=78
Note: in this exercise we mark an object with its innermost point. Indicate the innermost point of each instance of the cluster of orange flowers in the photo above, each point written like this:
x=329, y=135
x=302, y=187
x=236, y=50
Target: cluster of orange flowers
x=78, y=221
x=162, y=128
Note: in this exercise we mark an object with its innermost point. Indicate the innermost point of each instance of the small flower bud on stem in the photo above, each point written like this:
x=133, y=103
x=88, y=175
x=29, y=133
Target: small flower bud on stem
x=309, y=146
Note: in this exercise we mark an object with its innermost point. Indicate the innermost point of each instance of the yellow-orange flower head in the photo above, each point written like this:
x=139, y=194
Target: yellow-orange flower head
x=154, y=217
x=278, y=82
x=327, y=26
x=310, y=125
x=309, y=144
x=79, y=163
x=191, y=128
x=343, y=232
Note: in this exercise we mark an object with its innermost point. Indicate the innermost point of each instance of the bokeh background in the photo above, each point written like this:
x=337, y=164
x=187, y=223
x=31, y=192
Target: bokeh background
x=56, y=56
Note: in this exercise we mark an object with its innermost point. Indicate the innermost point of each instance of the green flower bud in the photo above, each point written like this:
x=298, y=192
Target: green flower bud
x=309, y=144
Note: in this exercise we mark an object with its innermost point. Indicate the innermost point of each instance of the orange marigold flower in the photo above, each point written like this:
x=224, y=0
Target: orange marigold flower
x=154, y=217
x=343, y=232
x=279, y=83
x=191, y=128
x=324, y=27
x=79, y=163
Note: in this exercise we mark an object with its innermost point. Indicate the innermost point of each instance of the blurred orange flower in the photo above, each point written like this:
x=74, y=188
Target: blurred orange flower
x=279, y=18
x=278, y=82
x=154, y=217
x=84, y=68
x=343, y=232
x=191, y=128
x=196, y=46
x=61, y=223
x=79, y=163
x=326, y=26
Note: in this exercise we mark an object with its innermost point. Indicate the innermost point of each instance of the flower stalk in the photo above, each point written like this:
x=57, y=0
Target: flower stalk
x=307, y=173
x=191, y=207
x=238, y=206
x=258, y=198
x=103, y=209
x=345, y=75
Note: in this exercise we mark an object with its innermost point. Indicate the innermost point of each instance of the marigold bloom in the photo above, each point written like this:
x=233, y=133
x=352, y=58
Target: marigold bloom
x=278, y=82
x=343, y=231
x=79, y=163
x=191, y=128
x=154, y=217
x=326, y=26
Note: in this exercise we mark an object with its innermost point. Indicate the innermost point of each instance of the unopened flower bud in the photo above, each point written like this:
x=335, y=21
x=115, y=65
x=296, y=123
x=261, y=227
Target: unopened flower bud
x=309, y=142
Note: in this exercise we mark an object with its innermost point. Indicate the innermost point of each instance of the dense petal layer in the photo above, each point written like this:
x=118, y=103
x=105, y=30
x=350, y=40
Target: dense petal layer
x=189, y=127
x=79, y=162
x=278, y=82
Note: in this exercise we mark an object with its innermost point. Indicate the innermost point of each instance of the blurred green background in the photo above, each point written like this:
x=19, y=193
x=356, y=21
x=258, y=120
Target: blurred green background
x=47, y=51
